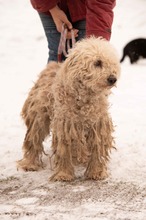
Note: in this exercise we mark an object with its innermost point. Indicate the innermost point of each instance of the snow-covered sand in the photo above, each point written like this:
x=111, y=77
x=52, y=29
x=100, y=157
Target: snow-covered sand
x=23, y=54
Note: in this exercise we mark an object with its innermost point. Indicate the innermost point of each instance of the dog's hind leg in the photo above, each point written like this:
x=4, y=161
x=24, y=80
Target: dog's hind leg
x=37, y=131
x=133, y=58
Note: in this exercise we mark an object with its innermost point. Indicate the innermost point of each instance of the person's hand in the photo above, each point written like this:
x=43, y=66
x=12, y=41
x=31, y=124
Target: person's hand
x=59, y=18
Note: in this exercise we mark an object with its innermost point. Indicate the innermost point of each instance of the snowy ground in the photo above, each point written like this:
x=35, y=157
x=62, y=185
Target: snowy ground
x=23, y=54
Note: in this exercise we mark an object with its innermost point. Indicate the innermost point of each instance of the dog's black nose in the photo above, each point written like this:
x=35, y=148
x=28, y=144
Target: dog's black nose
x=111, y=80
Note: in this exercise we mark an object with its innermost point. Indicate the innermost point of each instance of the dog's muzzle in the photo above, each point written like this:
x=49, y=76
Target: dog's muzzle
x=111, y=80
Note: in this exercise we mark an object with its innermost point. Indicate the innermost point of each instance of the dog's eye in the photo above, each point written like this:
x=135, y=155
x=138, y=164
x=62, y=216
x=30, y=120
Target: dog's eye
x=98, y=63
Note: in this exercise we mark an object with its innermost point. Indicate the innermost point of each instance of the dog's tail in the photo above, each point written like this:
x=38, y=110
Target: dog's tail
x=123, y=57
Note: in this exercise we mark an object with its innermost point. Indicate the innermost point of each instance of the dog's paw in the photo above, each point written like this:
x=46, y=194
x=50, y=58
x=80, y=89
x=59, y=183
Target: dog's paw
x=62, y=176
x=27, y=166
x=96, y=175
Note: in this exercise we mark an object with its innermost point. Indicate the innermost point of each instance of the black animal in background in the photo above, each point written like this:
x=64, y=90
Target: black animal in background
x=135, y=50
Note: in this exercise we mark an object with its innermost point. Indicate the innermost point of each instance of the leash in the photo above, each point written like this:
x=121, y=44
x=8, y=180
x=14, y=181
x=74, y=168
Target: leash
x=65, y=42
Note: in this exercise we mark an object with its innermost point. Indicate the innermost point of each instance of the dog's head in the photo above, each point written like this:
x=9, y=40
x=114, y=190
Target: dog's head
x=93, y=63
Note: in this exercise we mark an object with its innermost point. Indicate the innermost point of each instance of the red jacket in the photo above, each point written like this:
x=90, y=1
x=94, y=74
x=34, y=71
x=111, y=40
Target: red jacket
x=98, y=13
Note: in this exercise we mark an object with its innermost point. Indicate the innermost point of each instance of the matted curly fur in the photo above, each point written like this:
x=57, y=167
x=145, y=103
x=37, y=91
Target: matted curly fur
x=70, y=100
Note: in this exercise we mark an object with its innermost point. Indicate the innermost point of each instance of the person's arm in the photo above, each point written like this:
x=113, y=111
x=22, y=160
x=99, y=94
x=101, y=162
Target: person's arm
x=43, y=5
x=59, y=18
x=57, y=14
x=99, y=17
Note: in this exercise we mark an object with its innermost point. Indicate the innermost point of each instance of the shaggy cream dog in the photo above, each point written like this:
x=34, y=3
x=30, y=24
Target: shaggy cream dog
x=70, y=100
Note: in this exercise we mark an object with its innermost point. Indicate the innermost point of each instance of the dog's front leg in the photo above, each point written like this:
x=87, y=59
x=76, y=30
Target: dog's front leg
x=100, y=142
x=64, y=170
x=61, y=144
x=96, y=168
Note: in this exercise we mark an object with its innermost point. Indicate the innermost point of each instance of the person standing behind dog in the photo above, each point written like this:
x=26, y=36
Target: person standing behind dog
x=85, y=17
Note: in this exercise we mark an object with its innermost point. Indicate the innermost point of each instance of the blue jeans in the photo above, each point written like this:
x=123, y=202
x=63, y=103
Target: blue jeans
x=53, y=36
